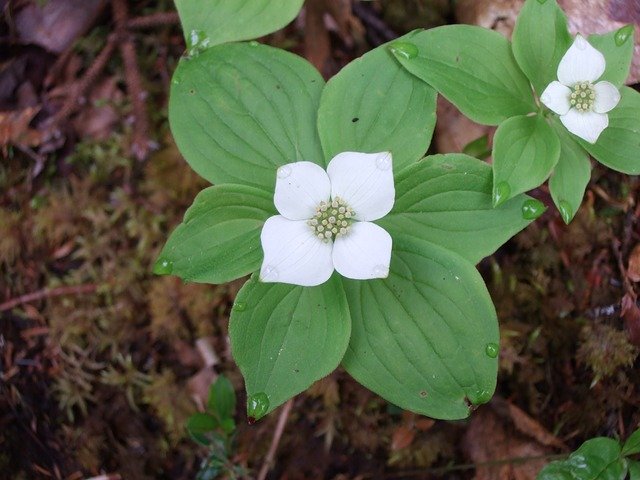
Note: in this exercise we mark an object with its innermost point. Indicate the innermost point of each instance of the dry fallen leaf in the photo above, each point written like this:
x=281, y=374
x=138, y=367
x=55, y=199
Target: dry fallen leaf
x=633, y=269
x=15, y=130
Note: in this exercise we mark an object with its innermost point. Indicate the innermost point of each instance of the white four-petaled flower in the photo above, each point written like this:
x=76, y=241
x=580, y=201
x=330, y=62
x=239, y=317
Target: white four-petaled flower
x=581, y=104
x=325, y=220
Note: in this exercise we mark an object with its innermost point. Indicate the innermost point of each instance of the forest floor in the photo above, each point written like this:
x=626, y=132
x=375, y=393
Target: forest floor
x=101, y=362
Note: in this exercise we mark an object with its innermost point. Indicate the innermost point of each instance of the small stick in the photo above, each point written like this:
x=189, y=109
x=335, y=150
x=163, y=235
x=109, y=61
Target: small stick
x=154, y=20
x=89, y=77
x=48, y=293
x=140, y=144
x=277, y=434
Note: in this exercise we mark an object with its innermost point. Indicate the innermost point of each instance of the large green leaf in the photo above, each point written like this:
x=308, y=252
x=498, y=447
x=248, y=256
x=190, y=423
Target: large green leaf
x=426, y=337
x=619, y=144
x=238, y=111
x=219, y=238
x=525, y=150
x=634, y=469
x=472, y=67
x=617, y=48
x=596, y=459
x=285, y=337
x=375, y=105
x=211, y=22
x=540, y=39
x=571, y=174
x=632, y=445
x=446, y=199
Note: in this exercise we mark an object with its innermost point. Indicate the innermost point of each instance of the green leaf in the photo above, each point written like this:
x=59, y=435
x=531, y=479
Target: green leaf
x=540, y=39
x=596, y=459
x=525, y=150
x=219, y=238
x=632, y=445
x=571, y=175
x=285, y=337
x=220, y=21
x=617, y=48
x=199, y=425
x=222, y=399
x=238, y=112
x=446, y=199
x=478, y=148
x=473, y=68
x=619, y=143
x=420, y=338
x=375, y=105
x=634, y=469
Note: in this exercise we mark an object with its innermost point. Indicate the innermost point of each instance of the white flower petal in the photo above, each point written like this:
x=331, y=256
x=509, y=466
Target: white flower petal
x=556, y=97
x=364, y=181
x=364, y=253
x=300, y=187
x=581, y=63
x=293, y=254
x=607, y=97
x=586, y=125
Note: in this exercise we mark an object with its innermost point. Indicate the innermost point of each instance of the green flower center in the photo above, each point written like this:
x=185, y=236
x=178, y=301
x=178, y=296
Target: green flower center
x=332, y=219
x=583, y=96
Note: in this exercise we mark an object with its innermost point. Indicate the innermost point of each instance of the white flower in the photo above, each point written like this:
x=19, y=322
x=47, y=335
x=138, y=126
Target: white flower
x=325, y=220
x=581, y=104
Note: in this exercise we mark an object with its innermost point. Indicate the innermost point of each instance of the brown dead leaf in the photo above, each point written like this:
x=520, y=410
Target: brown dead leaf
x=199, y=384
x=15, y=130
x=98, y=118
x=631, y=315
x=402, y=437
x=633, y=269
x=493, y=439
x=454, y=131
x=57, y=23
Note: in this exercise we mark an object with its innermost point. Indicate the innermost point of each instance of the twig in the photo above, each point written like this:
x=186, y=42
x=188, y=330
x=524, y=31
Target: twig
x=48, y=293
x=277, y=434
x=89, y=77
x=140, y=144
x=154, y=20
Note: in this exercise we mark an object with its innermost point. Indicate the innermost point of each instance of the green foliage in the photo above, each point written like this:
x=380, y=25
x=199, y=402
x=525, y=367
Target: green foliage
x=525, y=151
x=239, y=111
x=597, y=459
x=285, y=337
x=210, y=22
x=617, y=47
x=540, y=39
x=217, y=239
x=617, y=147
x=420, y=336
x=472, y=67
x=374, y=105
x=446, y=199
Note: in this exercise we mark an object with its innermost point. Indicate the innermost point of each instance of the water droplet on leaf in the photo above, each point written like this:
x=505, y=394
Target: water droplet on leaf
x=479, y=397
x=257, y=406
x=566, y=211
x=623, y=34
x=492, y=350
x=239, y=306
x=197, y=41
x=163, y=267
x=253, y=43
x=532, y=209
x=384, y=162
x=284, y=171
x=404, y=50
x=501, y=193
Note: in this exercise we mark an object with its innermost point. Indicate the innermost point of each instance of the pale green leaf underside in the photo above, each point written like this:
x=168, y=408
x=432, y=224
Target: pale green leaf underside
x=618, y=57
x=237, y=112
x=231, y=20
x=525, y=150
x=446, y=199
x=419, y=337
x=540, y=39
x=374, y=105
x=474, y=69
x=619, y=144
x=219, y=238
x=285, y=337
x=571, y=174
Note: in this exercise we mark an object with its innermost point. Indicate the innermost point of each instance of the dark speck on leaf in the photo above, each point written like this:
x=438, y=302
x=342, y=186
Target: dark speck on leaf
x=355, y=119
